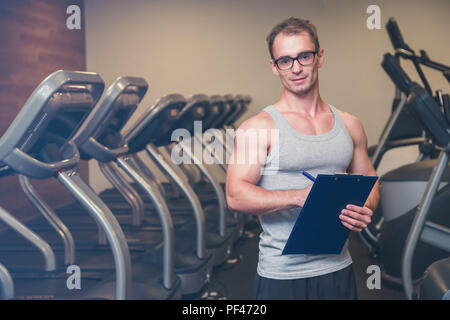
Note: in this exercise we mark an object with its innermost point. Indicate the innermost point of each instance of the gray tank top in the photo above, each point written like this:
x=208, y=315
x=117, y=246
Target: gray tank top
x=328, y=153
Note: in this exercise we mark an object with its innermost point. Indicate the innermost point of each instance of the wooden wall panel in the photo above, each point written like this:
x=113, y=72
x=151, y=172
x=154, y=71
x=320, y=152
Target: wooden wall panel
x=34, y=42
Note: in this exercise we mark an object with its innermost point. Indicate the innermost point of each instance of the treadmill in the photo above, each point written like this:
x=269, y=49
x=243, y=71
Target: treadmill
x=236, y=107
x=213, y=190
x=155, y=128
x=22, y=149
x=218, y=110
x=196, y=108
x=146, y=275
x=100, y=138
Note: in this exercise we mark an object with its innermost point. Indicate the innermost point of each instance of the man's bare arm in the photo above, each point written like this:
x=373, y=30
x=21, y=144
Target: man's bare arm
x=259, y=201
x=354, y=217
x=242, y=192
x=362, y=164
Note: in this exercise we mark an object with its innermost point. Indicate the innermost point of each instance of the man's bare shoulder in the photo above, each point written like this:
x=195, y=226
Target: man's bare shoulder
x=262, y=120
x=351, y=122
x=354, y=126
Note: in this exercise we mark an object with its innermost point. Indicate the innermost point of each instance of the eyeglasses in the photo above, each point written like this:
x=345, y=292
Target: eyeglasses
x=305, y=58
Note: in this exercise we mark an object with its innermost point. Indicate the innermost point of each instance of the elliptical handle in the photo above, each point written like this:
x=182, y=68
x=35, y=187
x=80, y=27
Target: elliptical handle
x=396, y=37
x=398, y=76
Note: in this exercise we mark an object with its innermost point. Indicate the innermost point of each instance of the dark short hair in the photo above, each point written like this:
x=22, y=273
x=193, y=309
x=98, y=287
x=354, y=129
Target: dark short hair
x=292, y=26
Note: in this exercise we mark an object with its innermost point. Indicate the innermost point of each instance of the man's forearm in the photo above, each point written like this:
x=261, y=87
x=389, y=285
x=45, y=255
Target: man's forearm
x=374, y=198
x=248, y=198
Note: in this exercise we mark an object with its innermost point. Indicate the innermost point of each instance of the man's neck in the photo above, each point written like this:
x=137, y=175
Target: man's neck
x=308, y=103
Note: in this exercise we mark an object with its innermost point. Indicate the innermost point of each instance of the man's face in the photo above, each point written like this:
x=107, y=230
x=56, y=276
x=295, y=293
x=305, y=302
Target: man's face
x=299, y=79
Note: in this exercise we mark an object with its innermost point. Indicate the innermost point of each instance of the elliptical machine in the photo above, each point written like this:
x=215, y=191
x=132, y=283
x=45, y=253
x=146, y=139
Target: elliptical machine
x=401, y=130
x=435, y=283
x=401, y=189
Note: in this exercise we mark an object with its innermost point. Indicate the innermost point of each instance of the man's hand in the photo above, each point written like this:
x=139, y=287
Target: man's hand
x=356, y=218
x=302, y=194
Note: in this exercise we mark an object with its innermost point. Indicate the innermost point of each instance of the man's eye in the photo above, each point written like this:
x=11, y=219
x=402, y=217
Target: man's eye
x=305, y=56
x=285, y=61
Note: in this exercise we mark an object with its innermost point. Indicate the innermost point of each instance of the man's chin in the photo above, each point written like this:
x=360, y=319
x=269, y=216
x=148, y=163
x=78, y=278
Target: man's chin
x=301, y=90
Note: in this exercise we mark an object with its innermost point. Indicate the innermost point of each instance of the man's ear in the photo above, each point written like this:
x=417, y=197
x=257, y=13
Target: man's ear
x=274, y=68
x=321, y=57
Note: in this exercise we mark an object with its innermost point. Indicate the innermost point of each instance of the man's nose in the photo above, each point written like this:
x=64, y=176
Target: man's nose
x=297, y=67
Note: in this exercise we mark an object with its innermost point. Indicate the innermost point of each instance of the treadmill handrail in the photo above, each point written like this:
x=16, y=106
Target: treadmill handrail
x=25, y=164
x=44, y=248
x=197, y=209
x=239, y=101
x=38, y=100
x=90, y=129
x=233, y=107
x=217, y=187
x=103, y=216
x=159, y=106
x=164, y=215
x=245, y=101
x=48, y=213
x=100, y=152
x=227, y=109
x=191, y=103
x=130, y=195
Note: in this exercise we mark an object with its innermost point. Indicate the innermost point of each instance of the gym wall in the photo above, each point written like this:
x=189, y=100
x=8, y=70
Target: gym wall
x=218, y=47
x=34, y=43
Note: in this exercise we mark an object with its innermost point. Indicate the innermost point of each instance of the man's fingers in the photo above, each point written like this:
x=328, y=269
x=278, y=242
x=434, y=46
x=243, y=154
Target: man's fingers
x=353, y=228
x=361, y=210
x=354, y=222
x=356, y=216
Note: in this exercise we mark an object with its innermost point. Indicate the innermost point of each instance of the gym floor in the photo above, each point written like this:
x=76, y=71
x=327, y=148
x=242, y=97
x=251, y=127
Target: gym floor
x=234, y=279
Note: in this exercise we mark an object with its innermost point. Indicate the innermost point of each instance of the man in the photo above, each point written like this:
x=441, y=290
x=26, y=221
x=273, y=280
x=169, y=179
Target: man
x=312, y=136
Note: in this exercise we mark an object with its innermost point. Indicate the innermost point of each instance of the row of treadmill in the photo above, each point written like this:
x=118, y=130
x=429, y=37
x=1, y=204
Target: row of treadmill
x=144, y=238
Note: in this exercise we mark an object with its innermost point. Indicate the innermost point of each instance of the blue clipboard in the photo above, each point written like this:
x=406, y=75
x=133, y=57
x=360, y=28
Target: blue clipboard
x=318, y=229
